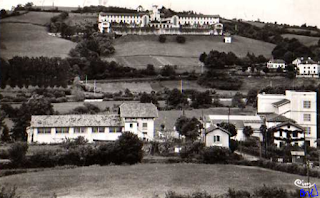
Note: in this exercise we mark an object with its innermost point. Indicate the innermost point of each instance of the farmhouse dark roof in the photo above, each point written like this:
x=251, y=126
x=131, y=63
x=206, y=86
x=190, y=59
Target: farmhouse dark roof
x=277, y=127
x=138, y=110
x=75, y=120
x=281, y=103
x=278, y=118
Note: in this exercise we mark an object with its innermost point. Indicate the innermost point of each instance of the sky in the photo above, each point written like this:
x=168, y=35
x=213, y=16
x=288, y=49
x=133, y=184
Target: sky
x=294, y=12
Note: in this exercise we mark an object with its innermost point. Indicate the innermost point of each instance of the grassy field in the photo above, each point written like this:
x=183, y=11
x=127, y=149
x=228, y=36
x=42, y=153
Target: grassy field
x=306, y=40
x=38, y=18
x=82, y=19
x=138, y=51
x=23, y=39
x=146, y=180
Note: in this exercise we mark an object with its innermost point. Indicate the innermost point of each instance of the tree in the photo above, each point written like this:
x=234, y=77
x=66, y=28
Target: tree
x=150, y=71
x=279, y=70
x=128, y=149
x=168, y=70
x=17, y=153
x=229, y=127
x=5, y=136
x=176, y=98
x=77, y=90
x=247, y=131
x=181, y=39
x=162, y=38
x=319, y=42
x=3, y=13
x=237, y=101
x=203, y=57
x=265, y=70
x=148, y=98
x=252, y=97
x=190, y=128
x=202, y=99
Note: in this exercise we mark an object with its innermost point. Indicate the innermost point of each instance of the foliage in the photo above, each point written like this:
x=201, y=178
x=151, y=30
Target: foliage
x=218, y=60
x=73, y=143
x=162, y=38
x=128, y=148
x=17, y=153
x=252, y=97
x=180, y=39
x=8, y=192
x=247, y=131
x=87, y=108
x=77, y=90
x=191, y=150
x=176, y=98
x=188, y=127
x=171, y=194
x=203, y=57
x=149, y=98
x=233, y=145
x=168, y=70
x=215, y=154
x=5, y=136
x=229, y=127
x=201, y=99
x=23, y=117
x=237, y=101
x=265, y=70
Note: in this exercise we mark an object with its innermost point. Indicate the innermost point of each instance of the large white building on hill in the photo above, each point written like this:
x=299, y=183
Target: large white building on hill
x=307, y=67
x=295, y=107
x=154, y=22
x=137, y=118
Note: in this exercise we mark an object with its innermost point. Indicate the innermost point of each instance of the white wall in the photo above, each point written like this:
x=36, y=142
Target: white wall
x=265, y=102
x=224, y=138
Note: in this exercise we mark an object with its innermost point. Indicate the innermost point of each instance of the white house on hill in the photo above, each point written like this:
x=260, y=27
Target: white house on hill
x=137, y=118
x=276, y=63
x=307, y=67
x=299, y=107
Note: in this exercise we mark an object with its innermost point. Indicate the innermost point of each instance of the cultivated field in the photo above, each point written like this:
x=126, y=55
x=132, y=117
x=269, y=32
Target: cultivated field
x=306, y=40
x=146, y=180
x=138, y=51
x=20, y=37
x=82, y=19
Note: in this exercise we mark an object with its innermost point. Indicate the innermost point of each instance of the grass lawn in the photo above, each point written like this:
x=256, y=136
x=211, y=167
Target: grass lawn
x=146, y=180
x=22, y=39
x=39, y=18
x=306, y=40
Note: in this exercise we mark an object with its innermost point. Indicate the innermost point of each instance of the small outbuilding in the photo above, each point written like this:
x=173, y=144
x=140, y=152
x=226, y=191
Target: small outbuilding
x=216, y=136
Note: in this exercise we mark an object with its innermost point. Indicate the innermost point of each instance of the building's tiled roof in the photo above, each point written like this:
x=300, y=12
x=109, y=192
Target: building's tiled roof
x=75, y=120
x=286, y=124
x=277, y=61
x=281, y=102
x=215, y=127
x=197, y=15
x=277, y=118
x=238, y=123
x=138, y=110
x=122, y=14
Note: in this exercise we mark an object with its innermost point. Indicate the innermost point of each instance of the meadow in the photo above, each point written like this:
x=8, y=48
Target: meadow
x=306, y=40
x=146, y=180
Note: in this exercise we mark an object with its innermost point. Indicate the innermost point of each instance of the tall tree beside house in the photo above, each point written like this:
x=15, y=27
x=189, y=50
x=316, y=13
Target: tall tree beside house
x=23, y=117
x=128, y=149
x=77, y=90
x=176, y=98
x=252, y=97
x=188, y=127
x=148, y=98
x=247, y=131
x=237, y=101
x=202, y=99
x=229, y=127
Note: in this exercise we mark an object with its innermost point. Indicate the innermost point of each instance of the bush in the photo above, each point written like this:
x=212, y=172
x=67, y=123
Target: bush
x=106, y=154
x=42, y=159
x=128, y=149
x=17, y=153
x=8, y=192
x=191, y=150
x=181, y=39
x=162, y=38
x=72, y=143
x=215, y=154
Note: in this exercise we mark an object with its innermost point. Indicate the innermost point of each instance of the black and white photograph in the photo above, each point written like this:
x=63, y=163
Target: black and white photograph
x=159, y=98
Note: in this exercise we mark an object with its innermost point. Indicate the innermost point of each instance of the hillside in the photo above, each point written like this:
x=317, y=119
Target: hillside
x=306, y=40
x=153, y=179
x=138, y=51
x=26, y=35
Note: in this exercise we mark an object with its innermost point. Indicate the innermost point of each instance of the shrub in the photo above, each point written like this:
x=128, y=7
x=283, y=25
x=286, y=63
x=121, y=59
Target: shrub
x=191, y=150
x=72, y=143
x=42, y=159
x=233, y=145
x=8, y=192
x=238, y=194
x=106, y=154
x=17, y=153
x=128, y=149
x=162, y=38
x=181, y=39
x=215, y=154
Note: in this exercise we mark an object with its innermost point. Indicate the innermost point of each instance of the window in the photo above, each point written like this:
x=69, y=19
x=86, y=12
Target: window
x=216, y=138
x=62, y=130
x=97, y=129
x=307, y=104
x=280, y=133
x=144, y=125
x=79, y=130
x=307, y=130
x=307, y=117
x=131, y=125
x=281, y=144
x=115, y=129
x=294, y=134
x=44, y=130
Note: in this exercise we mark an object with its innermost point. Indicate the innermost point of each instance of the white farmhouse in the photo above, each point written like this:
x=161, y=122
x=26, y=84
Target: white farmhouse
x=276, y=63
x=307, y=67
x=216, y=136
x=240, y=121
x=299, y=107
x=137, y=118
